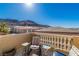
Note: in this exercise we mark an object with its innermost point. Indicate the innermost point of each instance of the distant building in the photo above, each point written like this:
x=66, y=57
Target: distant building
x=60, y=39
x=24, y=29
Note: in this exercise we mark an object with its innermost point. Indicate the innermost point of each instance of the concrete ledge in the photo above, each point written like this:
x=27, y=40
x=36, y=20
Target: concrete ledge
x=10, y=41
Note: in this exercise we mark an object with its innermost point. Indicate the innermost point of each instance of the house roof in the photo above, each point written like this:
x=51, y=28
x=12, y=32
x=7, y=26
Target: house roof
x=59, y=30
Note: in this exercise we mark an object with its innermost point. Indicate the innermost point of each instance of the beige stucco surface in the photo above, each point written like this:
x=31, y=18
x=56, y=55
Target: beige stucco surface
x=10, y=41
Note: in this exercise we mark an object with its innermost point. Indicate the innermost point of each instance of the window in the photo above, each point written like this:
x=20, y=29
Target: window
x=62, y=40
x=62, y=46
x=66, y=40
x=66, y=47
x=53, y=43
x=53, y=39
x=48, y=38
x=56, y=45
x=59, y=46
x=29, y=30
x=71, y=41
x=41, y=37
x=45, y=42
x=59, y=40
x=56, y=39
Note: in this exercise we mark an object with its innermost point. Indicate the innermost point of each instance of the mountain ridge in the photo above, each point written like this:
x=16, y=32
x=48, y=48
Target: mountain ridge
x=22, y=22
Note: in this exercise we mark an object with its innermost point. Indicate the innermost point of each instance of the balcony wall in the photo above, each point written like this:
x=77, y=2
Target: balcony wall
x=10, y=41
x=76, y=42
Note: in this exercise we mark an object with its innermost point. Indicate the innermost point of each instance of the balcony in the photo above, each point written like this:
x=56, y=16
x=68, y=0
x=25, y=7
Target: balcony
x=11, y=42
x=24, y=44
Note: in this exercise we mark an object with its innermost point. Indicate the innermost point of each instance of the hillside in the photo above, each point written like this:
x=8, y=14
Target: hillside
x=14, y=22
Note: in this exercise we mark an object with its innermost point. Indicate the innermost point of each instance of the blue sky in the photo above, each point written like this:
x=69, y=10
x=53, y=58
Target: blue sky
x=65, y=15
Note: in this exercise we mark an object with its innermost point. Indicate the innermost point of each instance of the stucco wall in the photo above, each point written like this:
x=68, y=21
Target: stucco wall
x=76, y=42
x=10, y=41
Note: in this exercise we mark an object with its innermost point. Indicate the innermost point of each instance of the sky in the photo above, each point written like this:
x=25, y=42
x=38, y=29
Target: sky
x=54, y=14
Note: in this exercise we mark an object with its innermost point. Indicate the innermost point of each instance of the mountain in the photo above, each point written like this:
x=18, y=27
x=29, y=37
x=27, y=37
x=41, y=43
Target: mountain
x=14, y=22
x=8, y=20
x=32, y=23
x=28, y=23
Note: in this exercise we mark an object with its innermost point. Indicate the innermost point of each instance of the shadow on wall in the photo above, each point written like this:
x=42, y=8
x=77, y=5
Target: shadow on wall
x=10, y=41
x=76, y=42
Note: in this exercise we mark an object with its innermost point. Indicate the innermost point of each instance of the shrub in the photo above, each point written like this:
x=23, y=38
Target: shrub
x=4, y=27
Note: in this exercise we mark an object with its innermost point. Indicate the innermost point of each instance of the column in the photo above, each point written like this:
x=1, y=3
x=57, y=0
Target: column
x=57, y=42
x=61, y=43
x=69, y=45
